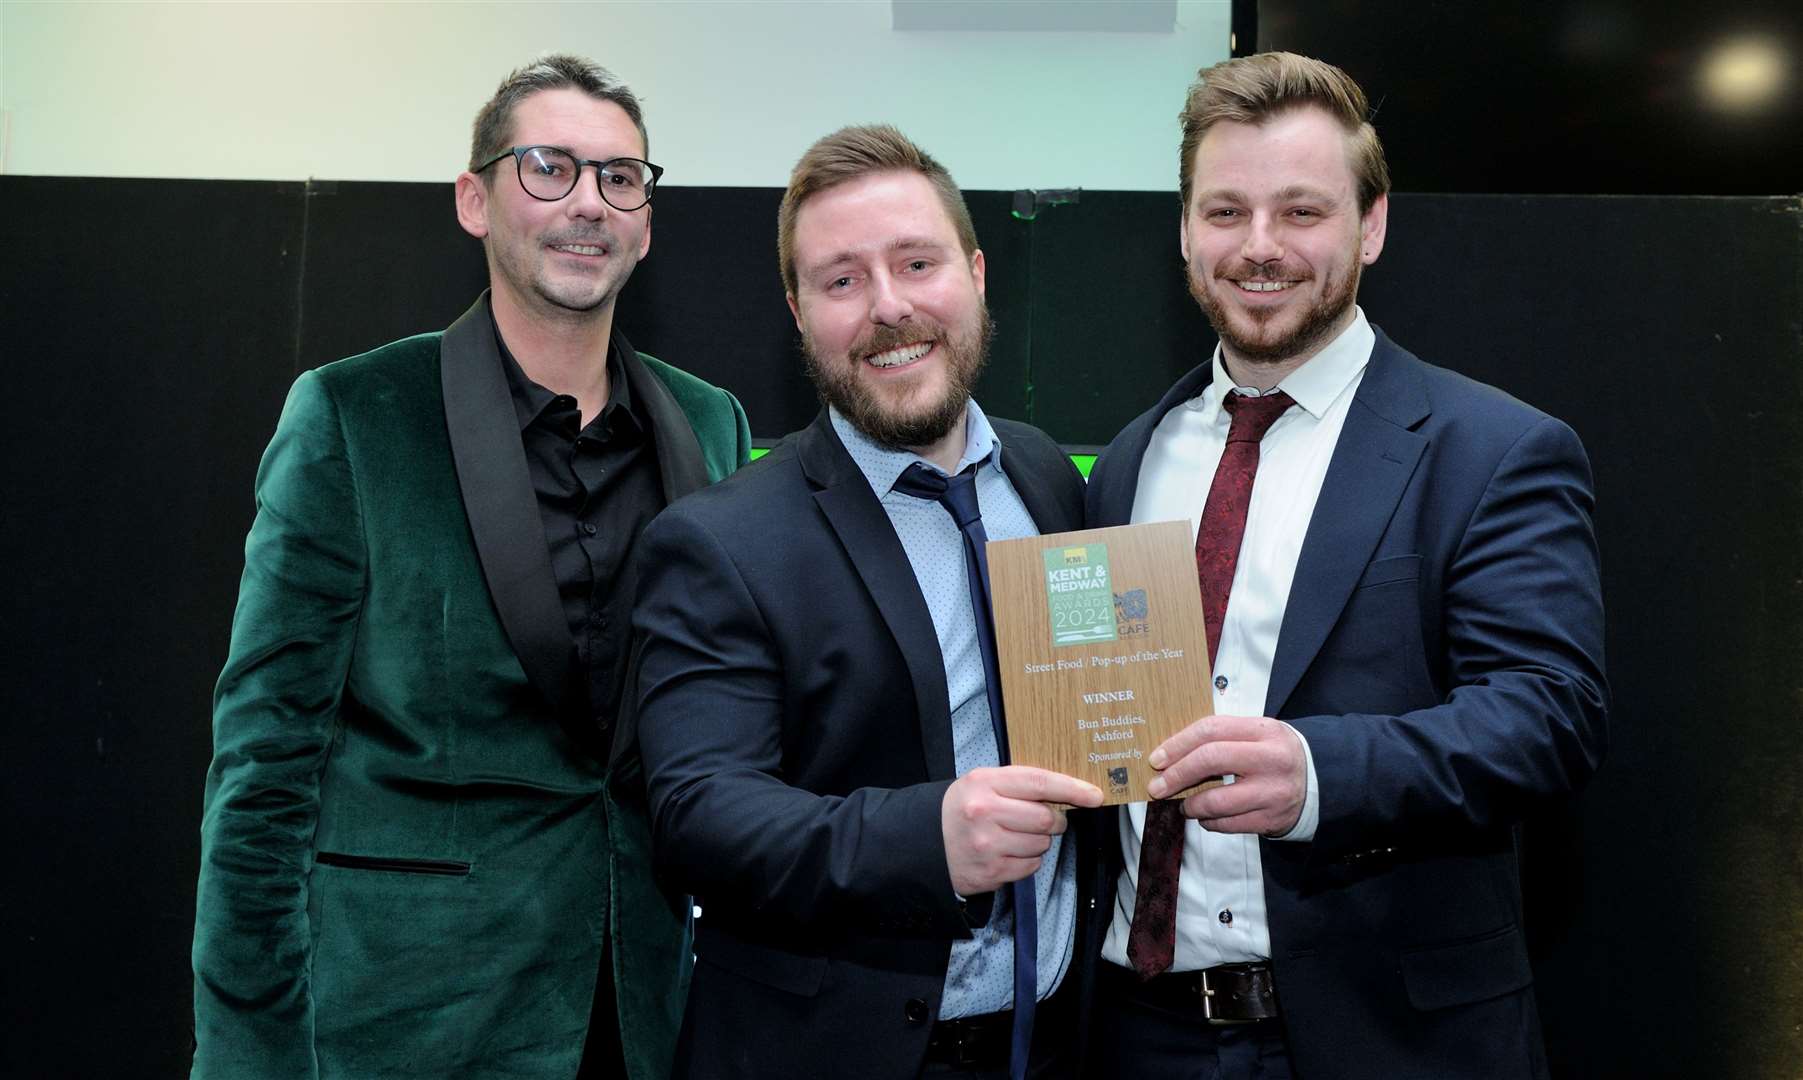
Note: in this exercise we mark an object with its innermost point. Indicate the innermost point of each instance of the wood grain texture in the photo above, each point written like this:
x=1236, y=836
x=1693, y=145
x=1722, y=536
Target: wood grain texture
x=1090, y=710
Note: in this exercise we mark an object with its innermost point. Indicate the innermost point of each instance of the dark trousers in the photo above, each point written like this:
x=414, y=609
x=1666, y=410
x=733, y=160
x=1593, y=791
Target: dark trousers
x=1054, y=1055
x=1135, y=1034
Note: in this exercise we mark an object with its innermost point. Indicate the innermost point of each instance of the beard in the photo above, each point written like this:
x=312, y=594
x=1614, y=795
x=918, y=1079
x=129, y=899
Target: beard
x=909, y=422
x=1262, y=344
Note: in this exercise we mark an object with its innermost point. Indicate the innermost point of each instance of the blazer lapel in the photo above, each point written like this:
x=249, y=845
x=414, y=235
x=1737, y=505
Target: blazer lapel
x=1371, y=466
x=1116, y=482
x=680, y=466
x=1035, y=493
x=854, y=514
x=503, y=513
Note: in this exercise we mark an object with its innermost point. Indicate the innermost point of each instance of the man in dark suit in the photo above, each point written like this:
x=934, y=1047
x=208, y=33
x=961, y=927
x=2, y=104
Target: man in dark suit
x=1400, y=579
x=814, y=710
x=418, y=858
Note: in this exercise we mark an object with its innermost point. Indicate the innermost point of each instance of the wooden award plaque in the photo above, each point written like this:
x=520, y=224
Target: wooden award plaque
x=1102, y=652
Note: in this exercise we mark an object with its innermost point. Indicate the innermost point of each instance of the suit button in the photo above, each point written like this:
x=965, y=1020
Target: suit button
x=915, y=1010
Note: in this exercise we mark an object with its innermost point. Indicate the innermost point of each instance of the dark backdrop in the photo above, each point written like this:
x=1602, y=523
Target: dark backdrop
x=151, y=329
x=1686, y=97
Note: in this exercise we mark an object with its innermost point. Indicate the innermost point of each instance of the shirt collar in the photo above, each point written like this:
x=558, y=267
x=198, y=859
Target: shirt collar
x=530, y=400
x=881, y=465
x=1321, y=379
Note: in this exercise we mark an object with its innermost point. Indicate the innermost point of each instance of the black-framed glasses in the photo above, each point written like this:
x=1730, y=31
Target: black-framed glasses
x=548, y=174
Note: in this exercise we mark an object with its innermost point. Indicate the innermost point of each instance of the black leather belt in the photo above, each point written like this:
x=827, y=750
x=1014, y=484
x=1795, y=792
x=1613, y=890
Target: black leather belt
x=980, y=1041
x=1227, y=994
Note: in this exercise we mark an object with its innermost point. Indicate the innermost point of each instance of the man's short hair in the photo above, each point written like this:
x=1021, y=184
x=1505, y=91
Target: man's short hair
x=493, y=130
x=852, y=153
x=1253, y=89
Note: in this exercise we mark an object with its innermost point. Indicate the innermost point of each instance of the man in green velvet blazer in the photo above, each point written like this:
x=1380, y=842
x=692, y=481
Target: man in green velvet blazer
x=423, y=853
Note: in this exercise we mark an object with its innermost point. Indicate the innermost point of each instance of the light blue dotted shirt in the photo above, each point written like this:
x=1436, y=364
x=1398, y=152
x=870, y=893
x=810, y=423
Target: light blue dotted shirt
x=980, y=976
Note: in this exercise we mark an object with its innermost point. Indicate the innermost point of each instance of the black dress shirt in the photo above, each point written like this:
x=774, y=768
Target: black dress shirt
x=598, y=487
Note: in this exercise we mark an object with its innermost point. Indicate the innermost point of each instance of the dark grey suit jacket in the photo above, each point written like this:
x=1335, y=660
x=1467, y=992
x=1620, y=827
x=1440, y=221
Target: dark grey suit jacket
x=797, y=740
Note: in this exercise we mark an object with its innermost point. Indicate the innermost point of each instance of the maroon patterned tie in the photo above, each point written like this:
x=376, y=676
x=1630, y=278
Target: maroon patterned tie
x=1153, y=939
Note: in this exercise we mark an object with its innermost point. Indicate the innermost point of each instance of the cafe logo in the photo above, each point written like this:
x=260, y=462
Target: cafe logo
x=1132, y=614
x=1078, y=593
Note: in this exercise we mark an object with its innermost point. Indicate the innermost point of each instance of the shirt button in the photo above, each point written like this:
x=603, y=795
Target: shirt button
x=1220, y=682
x=1226, y=917
x=590, y=529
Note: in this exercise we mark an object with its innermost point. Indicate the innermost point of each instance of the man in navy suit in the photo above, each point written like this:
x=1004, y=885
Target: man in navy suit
x=815, y=718
x=1404, y=606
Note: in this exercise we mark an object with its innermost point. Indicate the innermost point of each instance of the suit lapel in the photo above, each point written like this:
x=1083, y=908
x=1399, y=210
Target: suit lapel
x=1118, y=479
x=1371, y=466
x=854, y=514
x=503, y=513
x=1035, y=493
x=680, y=466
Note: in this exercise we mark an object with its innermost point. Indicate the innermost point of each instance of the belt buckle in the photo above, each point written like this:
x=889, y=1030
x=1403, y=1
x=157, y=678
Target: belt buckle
x=967, y=1045
x=1208, y=1007
x=967, y=1042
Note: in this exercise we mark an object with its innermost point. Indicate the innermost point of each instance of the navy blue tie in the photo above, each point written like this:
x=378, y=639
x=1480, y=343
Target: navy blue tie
x=958, y=494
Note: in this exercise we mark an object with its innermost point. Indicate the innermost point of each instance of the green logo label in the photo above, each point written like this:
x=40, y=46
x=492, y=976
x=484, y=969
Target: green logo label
x=1077, y=590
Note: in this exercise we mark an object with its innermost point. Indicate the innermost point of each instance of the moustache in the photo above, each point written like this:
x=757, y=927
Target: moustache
x=584, y=237
x=1266, y=272
x=882, y=339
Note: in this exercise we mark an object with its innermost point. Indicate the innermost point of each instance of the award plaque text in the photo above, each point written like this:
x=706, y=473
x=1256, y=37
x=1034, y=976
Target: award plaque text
x=1102, y=653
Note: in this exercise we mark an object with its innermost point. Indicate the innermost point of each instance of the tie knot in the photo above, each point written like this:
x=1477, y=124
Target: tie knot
x=1253, y=416
x=958, y=494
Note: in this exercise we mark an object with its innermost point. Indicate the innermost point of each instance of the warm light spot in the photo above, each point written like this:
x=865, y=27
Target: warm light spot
x=1744, y=74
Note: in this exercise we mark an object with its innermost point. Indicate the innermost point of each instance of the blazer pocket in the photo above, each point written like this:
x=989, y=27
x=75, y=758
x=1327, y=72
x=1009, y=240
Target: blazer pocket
x=1463, y=972
x=762, y=964
x=433, y=867
x=1395, y=568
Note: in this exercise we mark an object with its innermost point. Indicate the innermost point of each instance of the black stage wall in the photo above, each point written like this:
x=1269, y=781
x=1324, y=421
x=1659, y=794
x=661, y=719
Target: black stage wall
x=150, y=330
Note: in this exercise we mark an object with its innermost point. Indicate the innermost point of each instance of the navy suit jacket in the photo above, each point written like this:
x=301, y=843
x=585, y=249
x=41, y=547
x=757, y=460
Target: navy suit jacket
x=1442, y=652
x=796, y=736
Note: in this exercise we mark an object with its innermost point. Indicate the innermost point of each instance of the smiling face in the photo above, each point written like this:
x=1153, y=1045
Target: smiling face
x=1273, y=239
x=565, y=260
x=889, y=306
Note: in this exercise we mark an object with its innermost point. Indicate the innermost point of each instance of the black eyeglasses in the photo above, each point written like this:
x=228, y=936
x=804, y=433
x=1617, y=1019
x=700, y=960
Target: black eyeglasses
x=548, y=174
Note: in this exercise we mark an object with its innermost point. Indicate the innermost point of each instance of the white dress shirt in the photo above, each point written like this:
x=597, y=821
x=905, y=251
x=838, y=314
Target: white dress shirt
x=1220, y=889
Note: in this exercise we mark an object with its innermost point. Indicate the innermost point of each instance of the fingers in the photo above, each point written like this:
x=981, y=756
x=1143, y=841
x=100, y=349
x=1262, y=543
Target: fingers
x=1216, y=746
x=1206, y=730
x=1257, y=824
x=1180, y=744
x=1264, y=757
x=1007, y=844
x=1042, y=785
x=998, y=872
x=976, y=806
x=993, y=838
x=1224, y=802
x=1018, y=797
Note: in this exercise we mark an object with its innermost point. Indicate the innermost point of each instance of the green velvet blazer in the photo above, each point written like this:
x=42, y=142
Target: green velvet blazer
x=413, y=850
